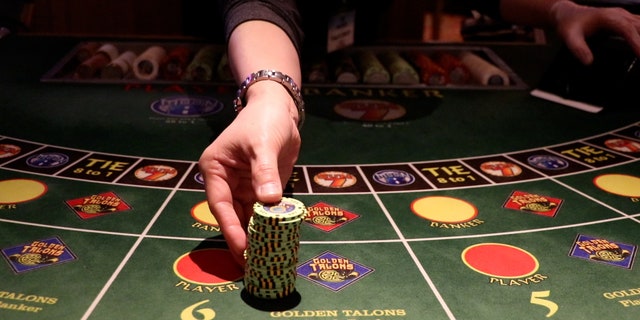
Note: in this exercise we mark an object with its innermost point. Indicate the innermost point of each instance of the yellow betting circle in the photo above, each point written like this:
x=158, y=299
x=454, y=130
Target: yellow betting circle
x=20, y=190
x=444, y=209
x=202, y=213
x=619, y=184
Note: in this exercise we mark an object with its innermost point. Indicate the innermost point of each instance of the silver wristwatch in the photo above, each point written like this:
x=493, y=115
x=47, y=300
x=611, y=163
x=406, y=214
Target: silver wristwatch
x=276, y=76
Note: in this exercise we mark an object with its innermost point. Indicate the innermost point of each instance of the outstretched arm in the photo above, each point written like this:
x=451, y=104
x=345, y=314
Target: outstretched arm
x=253, y=157
x=574, y=23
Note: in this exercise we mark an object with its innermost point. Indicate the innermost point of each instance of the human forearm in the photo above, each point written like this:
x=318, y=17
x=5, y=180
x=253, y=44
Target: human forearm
x=538, y=13
x=259, y=45
x=575, y=23
x=256, y=45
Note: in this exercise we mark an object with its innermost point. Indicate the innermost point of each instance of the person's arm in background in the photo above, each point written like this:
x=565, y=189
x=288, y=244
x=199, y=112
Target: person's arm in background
x=252, y=159
x=574, y=23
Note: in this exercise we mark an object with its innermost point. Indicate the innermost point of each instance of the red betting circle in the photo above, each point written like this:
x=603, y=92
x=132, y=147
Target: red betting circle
x=208, y=267
x=500, y=260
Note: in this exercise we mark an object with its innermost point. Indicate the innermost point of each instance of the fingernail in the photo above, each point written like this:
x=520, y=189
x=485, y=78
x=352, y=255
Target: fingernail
x=269, y=189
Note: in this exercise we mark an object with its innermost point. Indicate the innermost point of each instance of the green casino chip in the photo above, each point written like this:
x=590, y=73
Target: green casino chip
x=272, y=252
x=203, y=64
x=283, y=227
x=266, y=284
x=257, y=277
x=266, y=252
x=290, y=250
x=373, y=72
x=267, y=234
x=256, y=272
x=269, y=293
x=288, y=209
x=272, y=264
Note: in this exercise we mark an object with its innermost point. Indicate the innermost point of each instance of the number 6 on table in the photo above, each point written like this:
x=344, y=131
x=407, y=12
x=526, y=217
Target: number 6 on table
x=207, y=313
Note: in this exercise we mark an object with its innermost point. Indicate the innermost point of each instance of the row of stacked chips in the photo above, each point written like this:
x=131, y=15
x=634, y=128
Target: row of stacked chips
x=155, y=62
x=412, y=67
x=209, y=63
x=272, y=252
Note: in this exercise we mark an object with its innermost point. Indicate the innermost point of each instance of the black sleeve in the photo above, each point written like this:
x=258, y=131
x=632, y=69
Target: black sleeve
x=489, y=8
x=283, y=13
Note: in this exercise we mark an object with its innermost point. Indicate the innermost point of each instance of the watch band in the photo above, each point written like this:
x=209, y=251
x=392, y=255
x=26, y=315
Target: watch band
x=276, y=76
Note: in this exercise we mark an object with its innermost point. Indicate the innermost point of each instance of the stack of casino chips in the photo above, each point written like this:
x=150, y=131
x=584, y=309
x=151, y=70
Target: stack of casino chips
x=272, y=252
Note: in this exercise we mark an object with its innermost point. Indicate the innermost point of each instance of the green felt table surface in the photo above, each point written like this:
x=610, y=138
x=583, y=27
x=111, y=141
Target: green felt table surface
x=410, y=267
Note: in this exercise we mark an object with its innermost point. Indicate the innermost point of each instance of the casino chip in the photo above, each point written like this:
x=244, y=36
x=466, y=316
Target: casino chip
x=272, y=253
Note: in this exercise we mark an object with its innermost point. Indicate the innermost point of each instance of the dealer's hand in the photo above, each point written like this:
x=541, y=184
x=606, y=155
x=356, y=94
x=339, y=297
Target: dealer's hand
x=251, y=160
x=575, y=23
